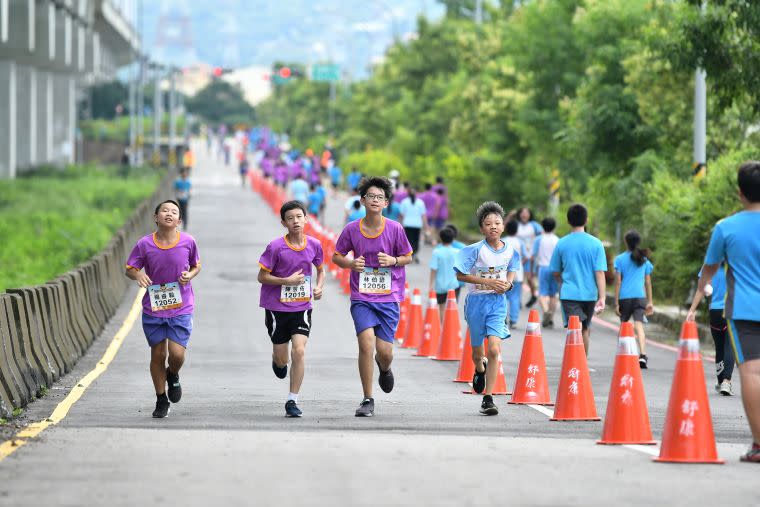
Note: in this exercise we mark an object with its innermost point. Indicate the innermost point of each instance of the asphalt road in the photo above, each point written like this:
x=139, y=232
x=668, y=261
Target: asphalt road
x=228, y=440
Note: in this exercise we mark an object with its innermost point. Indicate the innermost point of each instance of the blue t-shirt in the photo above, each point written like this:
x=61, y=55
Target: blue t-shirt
x=412, y=212
x=718, y=297
x=300, y=190
x=458, y=244
x=578, y=256
x=392, y=211
x=183, y=189
x=357, y=214
x=442, y=261
x=480, y=259
x=736, y=240
x=633, y=275
x=353, y=180
x=336, y=175
x=315, y=201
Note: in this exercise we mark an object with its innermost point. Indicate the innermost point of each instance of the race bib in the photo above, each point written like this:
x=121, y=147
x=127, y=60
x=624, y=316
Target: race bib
x=183, y=195
x=492, y=273
x=296, y=293
x=375, y=281
x=165, y=297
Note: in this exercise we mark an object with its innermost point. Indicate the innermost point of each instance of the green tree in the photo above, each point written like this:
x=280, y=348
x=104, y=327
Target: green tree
x=221, y=102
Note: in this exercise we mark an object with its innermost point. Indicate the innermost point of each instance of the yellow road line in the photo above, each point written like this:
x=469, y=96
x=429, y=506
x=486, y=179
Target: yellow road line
x=62, y=409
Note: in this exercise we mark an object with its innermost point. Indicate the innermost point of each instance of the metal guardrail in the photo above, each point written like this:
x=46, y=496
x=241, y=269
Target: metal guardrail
x=45, y=329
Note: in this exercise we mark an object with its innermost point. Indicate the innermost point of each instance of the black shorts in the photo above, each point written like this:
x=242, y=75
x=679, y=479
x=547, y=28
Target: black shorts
x=441, y=297
x=745, y=336
x=583, y=309
x=281, y=326
x=633, y=307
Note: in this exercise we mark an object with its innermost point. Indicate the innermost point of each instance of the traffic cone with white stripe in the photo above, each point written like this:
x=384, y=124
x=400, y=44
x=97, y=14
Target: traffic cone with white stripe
x=688, y=434
x=413, y=336
x=451, y=339
x=531, y=384
x=575, y=397
x=627, y=418
x=431, y=332
x=466, y=366
x=501, y=382
x=403, y=320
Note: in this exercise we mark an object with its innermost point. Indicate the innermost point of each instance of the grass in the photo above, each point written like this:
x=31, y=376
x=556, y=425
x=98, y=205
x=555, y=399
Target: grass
x=118, y=128
x=51, y=220
x=17, y=411
x=3, y=422
x=42, y=392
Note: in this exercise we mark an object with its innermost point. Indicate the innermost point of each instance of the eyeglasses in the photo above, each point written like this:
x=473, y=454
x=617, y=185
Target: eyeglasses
x=374, y=197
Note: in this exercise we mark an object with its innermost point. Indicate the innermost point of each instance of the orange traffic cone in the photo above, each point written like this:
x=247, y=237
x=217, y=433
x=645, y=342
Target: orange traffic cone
x=413, y=336
x=449, y=349
x=531, y=385
x=466, y=366
x=403, y=320
x=575, y=397
x=688, y=434
x=345, y=280
x=501, y=382
x=431, y=333
x=627, y=418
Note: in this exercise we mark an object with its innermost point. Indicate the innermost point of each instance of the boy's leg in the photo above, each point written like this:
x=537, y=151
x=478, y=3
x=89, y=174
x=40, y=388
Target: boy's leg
x=494, y=349
x=280, y=354
x=383, y=354
x=297, y=357
x=367, y=342
x=176, y=357
x=158, y=355
x=718, y=330
x=638, y=328
x=749, y=372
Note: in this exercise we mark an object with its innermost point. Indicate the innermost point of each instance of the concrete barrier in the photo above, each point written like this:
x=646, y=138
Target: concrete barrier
x=45, y=329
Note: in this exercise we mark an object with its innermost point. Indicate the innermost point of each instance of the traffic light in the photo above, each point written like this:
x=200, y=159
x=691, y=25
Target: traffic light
x=217, y=71
x=282, y=74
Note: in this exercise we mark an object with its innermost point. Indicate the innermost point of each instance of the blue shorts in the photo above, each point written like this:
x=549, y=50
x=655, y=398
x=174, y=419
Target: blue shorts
x=527, y=267
x=547, y=284
x=437, y=223
x=158, y=329
x=486, y=315
x=383, y=317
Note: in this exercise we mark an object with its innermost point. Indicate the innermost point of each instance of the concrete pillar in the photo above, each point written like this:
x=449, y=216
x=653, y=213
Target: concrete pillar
x=49, y=115
x=23, y=116
x=4, y=20
x=34, y=124
x=70, y=143
x=8, y=117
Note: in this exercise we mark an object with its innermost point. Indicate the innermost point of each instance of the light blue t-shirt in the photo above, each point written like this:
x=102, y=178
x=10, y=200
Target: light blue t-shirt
x=300, y=190
x=443, y=260
x=578, y=256
x=718, y=298
x=736, y=240
x=633, y=275
x=315, y=201
x=412, y=212
x=480, y=259
x=392, y=210
x=353, y=180
x=336, y=175
x=357, y=214
x=183, y=189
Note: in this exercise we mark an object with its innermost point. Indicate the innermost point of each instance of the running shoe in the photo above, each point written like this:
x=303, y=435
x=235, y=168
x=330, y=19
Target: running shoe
x=280, y=372
x=162, y=407
x=291, y=409
x=385, y=379
x=366, y=408
x=547, y=321
x=725, y=388
x=643, y=361
x=531, y=301
x=488, y=407
x=479, y=379
x=175, y=389
x=753, y=455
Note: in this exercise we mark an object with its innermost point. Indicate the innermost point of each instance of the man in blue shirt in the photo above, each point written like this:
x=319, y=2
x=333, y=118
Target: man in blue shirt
x=579, y=264
x=182, y=186
x=353, y=179
x=443, y=278
x=736, y=240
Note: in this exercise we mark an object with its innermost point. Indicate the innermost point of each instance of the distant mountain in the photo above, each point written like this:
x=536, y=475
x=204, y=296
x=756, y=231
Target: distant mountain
x=238, y=33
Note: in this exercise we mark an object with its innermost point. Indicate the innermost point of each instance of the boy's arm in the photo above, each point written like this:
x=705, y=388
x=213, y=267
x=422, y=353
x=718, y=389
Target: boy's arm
x=186, y=276
x=432, y=279
x=267, y=278
x=499, y=286
x=650, y=302
x=142, y=278
x=601, y=288
x=320, y=282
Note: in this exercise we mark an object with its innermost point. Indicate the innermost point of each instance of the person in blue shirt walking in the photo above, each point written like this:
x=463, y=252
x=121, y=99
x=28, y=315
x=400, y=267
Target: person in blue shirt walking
x=316, y=200
x=724, y=355
x=633, y=289
x=353, y=179
x=443, y=278
x=736, y=241
x=579, y=264
x=182, y=186
x=514, y=296
x=488, y=267
x=413, y=218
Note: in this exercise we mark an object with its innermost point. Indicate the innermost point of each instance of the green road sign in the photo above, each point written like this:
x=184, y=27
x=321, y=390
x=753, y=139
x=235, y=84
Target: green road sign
x=325, y=72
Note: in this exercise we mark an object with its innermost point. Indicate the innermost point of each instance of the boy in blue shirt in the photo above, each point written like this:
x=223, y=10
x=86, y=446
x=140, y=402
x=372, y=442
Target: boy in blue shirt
x=736, y=241
x=579, y=264
x=182, y=186
x=632, y=278
x=488, y=267
x=548, y=289
x=442, y=275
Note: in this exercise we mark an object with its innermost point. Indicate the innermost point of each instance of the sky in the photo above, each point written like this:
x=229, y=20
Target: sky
x=240, y=33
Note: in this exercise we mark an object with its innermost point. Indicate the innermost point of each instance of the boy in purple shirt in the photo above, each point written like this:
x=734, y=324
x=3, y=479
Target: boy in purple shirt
x=286, y=292
x=170, y=260
x=380, y=249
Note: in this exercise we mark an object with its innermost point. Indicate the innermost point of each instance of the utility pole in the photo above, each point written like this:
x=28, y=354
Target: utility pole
x=700, y=122
x=132, y=114
x=172, y=117
x=140, y=111
x=157, y=113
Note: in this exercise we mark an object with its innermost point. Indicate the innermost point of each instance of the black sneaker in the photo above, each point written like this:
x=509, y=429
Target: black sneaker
x=488, y=407
x=162, y=407
x=291, y=409
x=479, y=379
x=547, y=321
x=366, y=408
x=385, y=379
x=643, y=361
x=280, y=372
x=175, y=389
x=531, y=301
x=751, y=456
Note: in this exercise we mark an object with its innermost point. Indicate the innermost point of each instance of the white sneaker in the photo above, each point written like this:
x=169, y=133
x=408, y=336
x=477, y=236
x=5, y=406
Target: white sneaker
x=725, y=388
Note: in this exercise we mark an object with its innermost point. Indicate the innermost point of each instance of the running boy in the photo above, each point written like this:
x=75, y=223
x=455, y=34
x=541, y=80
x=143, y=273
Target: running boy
x=170, y=260
x=548, y=290
x=489, y=267
x=633, y=289
x=286, y=291
x=442, y=275
x=381, y=250
x=579, y=264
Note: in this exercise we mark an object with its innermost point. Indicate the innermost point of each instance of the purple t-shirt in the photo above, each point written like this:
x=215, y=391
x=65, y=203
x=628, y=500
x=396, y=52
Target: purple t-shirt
x=431, y=200
x=282, y=260
x=443, y=212
x=165, y=265
x=392, y=241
